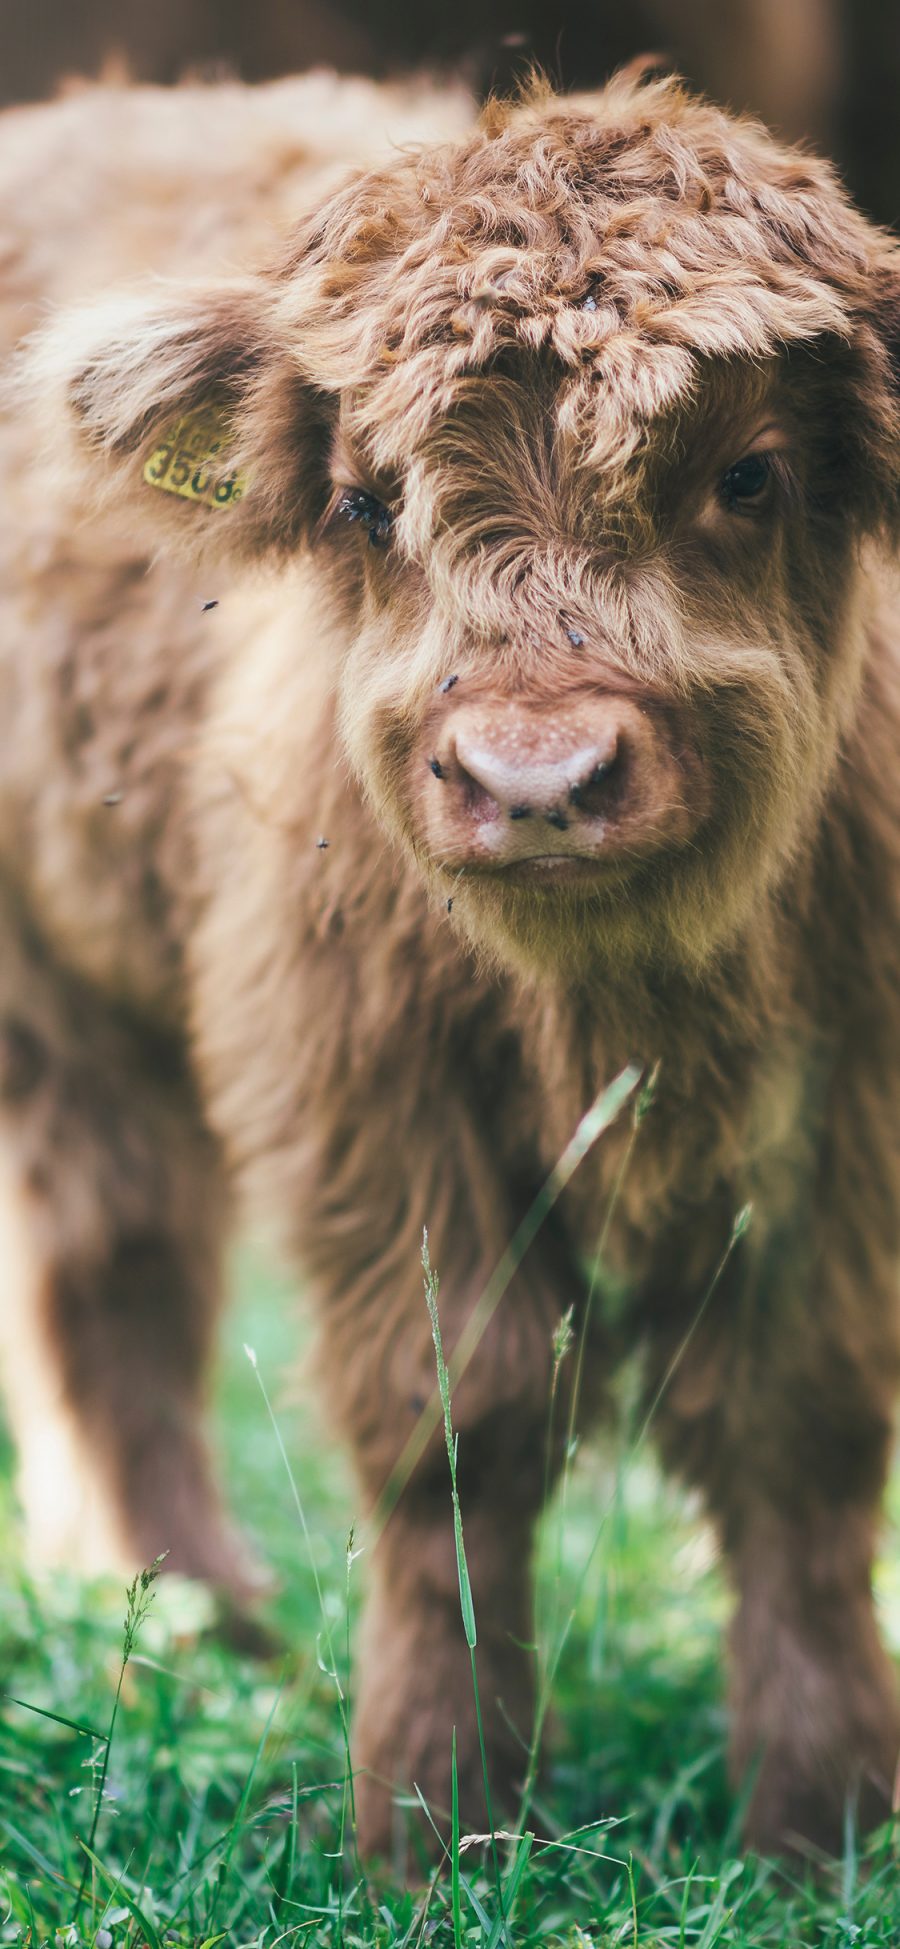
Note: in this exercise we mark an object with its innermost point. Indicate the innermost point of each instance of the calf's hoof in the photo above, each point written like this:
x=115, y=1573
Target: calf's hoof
x=806, y=1812
x=403, y=1741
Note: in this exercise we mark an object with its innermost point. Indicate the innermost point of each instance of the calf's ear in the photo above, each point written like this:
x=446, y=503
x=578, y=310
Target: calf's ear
x=185, y=409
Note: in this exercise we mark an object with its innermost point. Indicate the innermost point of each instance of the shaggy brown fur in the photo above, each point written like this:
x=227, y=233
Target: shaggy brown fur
x=603, y=747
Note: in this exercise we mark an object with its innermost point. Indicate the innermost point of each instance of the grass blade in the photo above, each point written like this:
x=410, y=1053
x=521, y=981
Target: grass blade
x=454, y=1849
x=467, y=1606
x=59, y=1719
x=113, y=1881
x=523, y=1853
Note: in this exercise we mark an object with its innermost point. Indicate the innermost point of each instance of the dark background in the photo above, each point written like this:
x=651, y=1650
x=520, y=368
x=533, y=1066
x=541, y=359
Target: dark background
x=826, y=70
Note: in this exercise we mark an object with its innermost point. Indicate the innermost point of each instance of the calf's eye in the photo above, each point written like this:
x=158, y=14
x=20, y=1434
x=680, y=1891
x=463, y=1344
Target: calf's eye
x=355, y=504
x=745, y=483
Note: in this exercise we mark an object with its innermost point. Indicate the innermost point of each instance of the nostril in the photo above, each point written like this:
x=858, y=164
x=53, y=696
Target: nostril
x=595, y=794
x=437, y=768
x=558, y=819
x=520, y=812
x=600, y=773
x=480, y=803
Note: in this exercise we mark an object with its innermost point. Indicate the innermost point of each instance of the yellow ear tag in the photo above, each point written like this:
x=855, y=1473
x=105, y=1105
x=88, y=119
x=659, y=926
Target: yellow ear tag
x=193, y=460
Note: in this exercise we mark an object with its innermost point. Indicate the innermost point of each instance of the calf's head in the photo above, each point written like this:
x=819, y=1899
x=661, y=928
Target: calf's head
x=585, y=420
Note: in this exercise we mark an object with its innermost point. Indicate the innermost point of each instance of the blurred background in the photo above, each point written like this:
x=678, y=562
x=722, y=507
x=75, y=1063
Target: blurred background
x=824, y=70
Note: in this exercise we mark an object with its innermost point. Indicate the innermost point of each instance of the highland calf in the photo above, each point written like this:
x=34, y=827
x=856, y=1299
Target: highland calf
x=546, y=482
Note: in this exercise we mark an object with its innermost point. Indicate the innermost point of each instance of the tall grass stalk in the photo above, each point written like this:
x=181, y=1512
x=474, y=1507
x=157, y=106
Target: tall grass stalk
x=332, y=1670
x=639, y=1110
x=138, y=1597
x=347, y=1795
x=562, y=1343
x=454, y=1849
x=467, y=1607
x=633, y=1893
x=603, y=1112
x=548, y=1676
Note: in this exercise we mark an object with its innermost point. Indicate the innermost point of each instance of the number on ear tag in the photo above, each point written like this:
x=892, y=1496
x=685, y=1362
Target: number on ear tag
x=193, y=460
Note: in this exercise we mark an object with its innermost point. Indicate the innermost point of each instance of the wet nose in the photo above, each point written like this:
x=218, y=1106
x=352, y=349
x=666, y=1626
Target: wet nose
x=597, y=778
x=504, y=773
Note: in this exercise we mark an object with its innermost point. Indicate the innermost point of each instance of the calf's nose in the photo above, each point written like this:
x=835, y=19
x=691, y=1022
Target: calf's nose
x=506, y=770
x=600, y=776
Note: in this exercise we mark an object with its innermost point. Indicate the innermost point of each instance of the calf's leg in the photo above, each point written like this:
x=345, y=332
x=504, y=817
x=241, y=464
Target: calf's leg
x=779, y=1407
x=415, y=1682
x=110, y=1220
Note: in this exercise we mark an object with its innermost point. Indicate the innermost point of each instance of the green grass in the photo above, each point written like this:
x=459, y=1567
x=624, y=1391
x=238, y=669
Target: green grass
x=225, y=1810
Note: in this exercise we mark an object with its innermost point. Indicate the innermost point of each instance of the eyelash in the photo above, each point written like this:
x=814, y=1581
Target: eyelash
x=355, y=504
